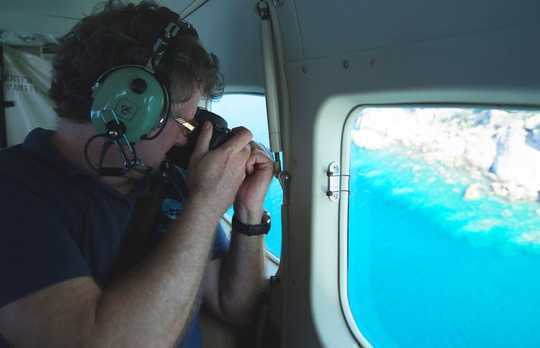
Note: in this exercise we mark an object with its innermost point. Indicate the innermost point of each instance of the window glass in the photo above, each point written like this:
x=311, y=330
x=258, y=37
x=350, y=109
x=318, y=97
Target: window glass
x=249, y=110
x=444, y=227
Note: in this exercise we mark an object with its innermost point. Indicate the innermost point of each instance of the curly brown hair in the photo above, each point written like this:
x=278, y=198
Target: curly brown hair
x=119, y=34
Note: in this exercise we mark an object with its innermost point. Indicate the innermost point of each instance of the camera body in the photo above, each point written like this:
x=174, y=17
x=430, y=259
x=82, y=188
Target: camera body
x=180, y=155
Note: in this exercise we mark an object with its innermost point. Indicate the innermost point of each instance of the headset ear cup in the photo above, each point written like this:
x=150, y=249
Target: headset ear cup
x=130, y=95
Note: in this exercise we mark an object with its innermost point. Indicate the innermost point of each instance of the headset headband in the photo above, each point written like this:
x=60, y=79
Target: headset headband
x=172, y=29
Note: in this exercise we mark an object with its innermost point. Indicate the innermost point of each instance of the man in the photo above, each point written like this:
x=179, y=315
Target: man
x=64, y=224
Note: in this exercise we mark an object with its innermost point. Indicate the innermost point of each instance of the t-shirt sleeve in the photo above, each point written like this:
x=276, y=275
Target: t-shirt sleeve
x=36, y=248
x=221, y=244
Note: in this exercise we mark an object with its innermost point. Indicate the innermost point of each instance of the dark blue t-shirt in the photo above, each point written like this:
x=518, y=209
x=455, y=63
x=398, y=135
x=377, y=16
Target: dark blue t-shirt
x=58, y=223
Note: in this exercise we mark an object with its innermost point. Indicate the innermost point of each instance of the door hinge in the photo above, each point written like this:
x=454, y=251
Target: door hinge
x=337, y=182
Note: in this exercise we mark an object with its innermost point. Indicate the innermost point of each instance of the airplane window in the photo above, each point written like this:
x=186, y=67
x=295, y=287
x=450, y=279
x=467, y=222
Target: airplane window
x=444, y=227
x=249, y=110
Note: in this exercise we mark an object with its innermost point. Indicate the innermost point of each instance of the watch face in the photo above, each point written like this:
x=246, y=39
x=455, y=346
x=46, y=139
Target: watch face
x=266, y=218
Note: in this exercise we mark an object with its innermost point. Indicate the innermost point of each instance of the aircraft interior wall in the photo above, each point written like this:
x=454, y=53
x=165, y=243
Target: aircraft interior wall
x=341, y=55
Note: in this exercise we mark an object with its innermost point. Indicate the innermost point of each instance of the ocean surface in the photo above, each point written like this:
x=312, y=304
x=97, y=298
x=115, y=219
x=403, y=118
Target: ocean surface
x=428, y=269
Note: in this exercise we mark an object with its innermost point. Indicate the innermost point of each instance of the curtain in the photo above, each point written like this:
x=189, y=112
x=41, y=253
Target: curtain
x=27, y=77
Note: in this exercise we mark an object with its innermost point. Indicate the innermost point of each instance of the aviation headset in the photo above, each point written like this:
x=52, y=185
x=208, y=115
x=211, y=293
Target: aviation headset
x=132, y=101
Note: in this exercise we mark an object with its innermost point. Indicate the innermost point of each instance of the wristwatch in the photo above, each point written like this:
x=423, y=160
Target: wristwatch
x=252, y=230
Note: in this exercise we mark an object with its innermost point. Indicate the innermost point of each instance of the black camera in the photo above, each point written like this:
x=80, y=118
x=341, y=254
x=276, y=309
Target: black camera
x=180, y=155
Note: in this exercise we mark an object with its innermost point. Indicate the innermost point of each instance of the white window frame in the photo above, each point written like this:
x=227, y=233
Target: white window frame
x=343, y=229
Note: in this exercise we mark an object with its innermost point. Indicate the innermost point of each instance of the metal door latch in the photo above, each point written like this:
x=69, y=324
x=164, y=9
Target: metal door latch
x=337, y=182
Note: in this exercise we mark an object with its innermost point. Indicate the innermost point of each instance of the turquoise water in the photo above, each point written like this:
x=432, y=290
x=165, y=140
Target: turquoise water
x=428, y=269
x=272, y=203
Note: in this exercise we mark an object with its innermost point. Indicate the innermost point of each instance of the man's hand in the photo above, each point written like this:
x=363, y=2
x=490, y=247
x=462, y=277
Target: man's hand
x=215, y=176
x=249, y=200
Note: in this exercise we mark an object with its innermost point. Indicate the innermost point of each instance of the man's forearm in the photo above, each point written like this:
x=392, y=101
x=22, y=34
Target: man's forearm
x=150, y=305
x=242, y=278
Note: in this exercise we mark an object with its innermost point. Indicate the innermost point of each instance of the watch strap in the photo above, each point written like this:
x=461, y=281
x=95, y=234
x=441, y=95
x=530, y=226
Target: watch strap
x=252, y=230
